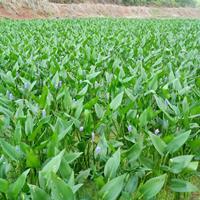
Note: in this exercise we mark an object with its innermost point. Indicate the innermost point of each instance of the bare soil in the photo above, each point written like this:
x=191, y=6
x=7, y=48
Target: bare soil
x=52, y=10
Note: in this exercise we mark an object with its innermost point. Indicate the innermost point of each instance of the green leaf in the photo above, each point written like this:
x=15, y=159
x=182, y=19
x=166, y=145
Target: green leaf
x=38, y=194
x=91, y=103
x=93, y=75
x=128, y=79
x=153, y=83
x=130, y=95
x=32, y=160
x=54, y=164
x=83, y=91
x=177, y=164
x=62, y=128
x=83, y=175
x=158, y=143
x=144, y=118
x=60, y=190
x=52, y=145
x=153, y=186
x=41, y=123
x=99, y=111
x=178, y=185
x=55, y=79
x=69, y=157
x=17, y=133
x=116, y=102
x=3, y=185
x=178, y=141
x=29, y=124
x=42, y=100
x=132, y=184
x=112, y=165
x=16, y=187
x=65, y=170
x=79, y=108
x=75, y=188
x=161, y=104
x=113, y=188
x=134, y=152
x=163, y=107
x=193, y=166
x=67, y=130
x=10, y=150
x=67, y=102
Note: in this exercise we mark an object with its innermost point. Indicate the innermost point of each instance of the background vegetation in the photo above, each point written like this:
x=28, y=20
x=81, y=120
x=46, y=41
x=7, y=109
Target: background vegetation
x=171, y=3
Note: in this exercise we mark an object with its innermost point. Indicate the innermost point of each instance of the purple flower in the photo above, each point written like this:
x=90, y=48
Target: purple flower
x=56, y=86
x=130, y=128
x=10, y=96
x=166, y=102
x=26, y=86
x=96, y=84
x=44, y=113
x=98, y=150
x=156, y=132
x=17, y=148
x=36, y=108
x=81, y=129
x=93, y=136
x=59, y=84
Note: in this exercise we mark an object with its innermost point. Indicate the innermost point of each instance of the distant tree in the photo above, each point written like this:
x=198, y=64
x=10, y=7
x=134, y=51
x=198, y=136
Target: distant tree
x=186, y=2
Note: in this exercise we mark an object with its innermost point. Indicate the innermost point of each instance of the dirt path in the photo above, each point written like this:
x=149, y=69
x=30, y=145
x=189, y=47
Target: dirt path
x=97, y=10
x=19, y=13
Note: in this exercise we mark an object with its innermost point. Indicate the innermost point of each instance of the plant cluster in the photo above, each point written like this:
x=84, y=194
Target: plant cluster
x=99, y=109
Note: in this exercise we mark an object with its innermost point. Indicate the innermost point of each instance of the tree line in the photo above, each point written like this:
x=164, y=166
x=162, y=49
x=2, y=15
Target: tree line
x=162, y=2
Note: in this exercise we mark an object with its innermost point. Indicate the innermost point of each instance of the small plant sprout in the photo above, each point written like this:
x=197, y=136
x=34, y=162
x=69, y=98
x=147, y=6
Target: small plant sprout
x=81, y=129
x=98, y=150
x=93, y=136
x=130, y=128
x=44, y=113
x=156, y=132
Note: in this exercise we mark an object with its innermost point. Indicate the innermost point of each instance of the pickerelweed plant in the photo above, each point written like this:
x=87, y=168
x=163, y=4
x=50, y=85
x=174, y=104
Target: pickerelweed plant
x=99, y=109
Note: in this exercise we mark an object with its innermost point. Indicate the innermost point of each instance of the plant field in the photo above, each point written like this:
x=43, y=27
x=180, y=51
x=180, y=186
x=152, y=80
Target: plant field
x=99, y=109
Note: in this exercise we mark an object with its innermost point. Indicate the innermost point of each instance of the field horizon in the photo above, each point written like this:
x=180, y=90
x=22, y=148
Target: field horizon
x=45, y=10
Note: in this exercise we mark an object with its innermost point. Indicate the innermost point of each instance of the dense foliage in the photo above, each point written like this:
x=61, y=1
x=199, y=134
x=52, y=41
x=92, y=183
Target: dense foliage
x=99, y=109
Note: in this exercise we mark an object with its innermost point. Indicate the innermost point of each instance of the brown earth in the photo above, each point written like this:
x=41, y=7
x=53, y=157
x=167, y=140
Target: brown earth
x=26, y=11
